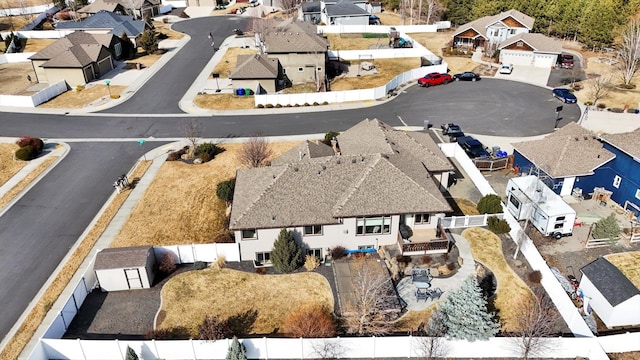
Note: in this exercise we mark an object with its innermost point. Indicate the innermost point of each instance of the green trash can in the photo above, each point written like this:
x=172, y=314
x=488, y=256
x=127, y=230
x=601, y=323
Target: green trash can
x=247, y=91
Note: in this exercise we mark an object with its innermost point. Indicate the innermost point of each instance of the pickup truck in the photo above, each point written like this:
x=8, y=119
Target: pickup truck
x=566, y=61
x=473, y=147
x=434, y=78
x=452, y=130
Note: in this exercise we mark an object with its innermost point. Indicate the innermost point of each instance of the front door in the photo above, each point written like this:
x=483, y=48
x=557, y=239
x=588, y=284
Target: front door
x=133, y=278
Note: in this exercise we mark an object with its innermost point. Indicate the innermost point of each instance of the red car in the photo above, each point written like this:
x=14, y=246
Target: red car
x=434, y=78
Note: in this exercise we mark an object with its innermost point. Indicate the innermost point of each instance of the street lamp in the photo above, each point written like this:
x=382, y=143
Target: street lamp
x=108, y=82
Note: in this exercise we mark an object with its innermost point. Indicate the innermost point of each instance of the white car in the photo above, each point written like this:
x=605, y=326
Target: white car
x=506, y=69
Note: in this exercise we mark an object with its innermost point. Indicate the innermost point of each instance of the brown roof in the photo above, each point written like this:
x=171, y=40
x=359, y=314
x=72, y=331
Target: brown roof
x=538, y=42
x=306, y=150
x=295, y=37
x=480, y=25
x=127, y=257
x=627, y=142
x=77, y=49
x=570, y=151
x=255, y=67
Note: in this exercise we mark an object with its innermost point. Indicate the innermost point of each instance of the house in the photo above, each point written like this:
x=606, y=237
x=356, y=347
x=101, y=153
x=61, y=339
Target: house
x=610, y=294
x=488, y=31
x=78, y=58
x=310, y=11
x=256, y=72
x=141, y=9
x=345, y=12
x=530, y=49
x=357, y=198
x=105, y=22
x=566, y=158
x=301, y=51
x=125, y=268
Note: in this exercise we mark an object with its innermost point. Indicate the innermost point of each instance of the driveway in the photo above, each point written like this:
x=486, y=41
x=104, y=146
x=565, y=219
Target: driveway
x=527, y=74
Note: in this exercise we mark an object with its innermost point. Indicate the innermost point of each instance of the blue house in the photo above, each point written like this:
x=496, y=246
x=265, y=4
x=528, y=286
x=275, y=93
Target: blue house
x=572, y=157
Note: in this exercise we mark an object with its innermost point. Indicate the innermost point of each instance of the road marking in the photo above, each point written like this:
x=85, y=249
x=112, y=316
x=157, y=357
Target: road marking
x=402, y=121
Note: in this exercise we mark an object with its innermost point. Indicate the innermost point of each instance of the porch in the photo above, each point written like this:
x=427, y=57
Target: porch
x=468, y=43
x=424, y=241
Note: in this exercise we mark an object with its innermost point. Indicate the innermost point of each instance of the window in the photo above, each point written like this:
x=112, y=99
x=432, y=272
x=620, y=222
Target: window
x=363, y=247
x=512, y=31
x=319, y=68
x=422, y=218
x=373, y=225
x=520, y=44
x=263, y=257
x=496, y=32
x=514, y=201
x=616, y=181
x=311, y=230
x=300, y=69
x=315, y=252
x=249, y=234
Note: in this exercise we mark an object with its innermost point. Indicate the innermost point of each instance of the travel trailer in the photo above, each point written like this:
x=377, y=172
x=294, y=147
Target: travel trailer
x=528, y=197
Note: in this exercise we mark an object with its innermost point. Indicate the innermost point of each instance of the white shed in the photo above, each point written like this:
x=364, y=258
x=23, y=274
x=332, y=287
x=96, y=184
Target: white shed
x=125, y=268
x=611, y=294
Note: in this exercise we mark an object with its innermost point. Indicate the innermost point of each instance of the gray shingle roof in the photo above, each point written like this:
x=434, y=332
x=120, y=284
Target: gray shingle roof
x=344, y=8
x=311, y=7
x=295, y=37
x=480, y=25
x=110, y=5
x=610, y=281
x=306, y=150
x=127, y=257
x=627, y=142
x=107, y=20
x=255, y=67
x=570, y=151
x=77, y=49
x=538, y=42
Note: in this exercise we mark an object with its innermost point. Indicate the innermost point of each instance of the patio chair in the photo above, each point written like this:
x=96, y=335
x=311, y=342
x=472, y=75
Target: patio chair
x=422, y=295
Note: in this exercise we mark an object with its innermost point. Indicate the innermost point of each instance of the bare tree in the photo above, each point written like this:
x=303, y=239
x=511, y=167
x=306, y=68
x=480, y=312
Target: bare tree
x=629, y=51
x=328, y=349
x=255, y=152
x=599, y=87
x=364, y=313
x=288, y=6
x=192, y=131
x=534, y=324
x=430, y=342
x=261, y=27
x=434, y=9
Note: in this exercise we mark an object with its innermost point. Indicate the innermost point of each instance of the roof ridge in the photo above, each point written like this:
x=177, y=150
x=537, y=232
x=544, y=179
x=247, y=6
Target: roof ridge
x=340, y=204
x=265, y=190
x=414, y=181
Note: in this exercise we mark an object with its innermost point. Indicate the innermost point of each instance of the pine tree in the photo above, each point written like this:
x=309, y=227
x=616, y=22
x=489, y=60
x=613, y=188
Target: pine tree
x=286, y=254
x=236, y=351
x=149, y=41
x=131, y=354
x=464, y=314
x=606, y=228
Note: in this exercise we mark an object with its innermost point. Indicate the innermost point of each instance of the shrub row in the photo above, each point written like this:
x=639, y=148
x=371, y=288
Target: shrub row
x=177, y=155
x=30, y=148
x=270, y=106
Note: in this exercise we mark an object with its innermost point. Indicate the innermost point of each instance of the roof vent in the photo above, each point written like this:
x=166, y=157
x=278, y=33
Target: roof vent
x=295, y=169
x=273, y=219
x=324, y=167
x=598, y=156
x=319, y=172
x=362, y=159
x=338, y=162
x=577, y=138
x=586, y=137
x=353, y=161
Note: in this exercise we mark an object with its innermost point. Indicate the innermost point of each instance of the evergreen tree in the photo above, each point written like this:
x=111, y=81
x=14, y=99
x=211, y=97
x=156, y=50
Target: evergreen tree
x=131, y=354
x=607, y=228
x=225, y=190
x=458, y=11
x=286, y=254
x=127, y=46
x=464, y=314
x=149, y=41
x=490, y=204
x=236, y=351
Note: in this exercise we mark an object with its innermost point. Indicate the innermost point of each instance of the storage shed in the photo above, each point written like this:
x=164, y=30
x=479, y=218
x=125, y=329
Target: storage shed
x=125, y=268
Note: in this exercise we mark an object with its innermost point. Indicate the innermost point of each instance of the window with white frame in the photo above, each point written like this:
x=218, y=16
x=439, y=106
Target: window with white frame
x=249, y=234
x=373, y=225
x=512, y=31
x=315, y=252
x=263, y=257
x=422, y=218
x=312, y=230
x=519, y=44
x=616, y=181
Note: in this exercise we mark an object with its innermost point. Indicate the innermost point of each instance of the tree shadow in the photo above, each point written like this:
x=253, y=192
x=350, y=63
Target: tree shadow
x=241, y=324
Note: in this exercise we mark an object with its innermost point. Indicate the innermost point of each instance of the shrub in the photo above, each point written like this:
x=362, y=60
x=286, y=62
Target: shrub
x=204, y=157
x=330, y=135
x=261, y=270
x=403, y=259
x=309, y=322
x=168, y=263
x=306, y=104
x=224, y=238
x=606, y=228
x=199, y=265
x=296, y=105
x=315, y=103
x=286, y=254
x=311, y=262
x=35, y=143
x=26, y=153
x=588, y=103
x=212, y=149
x=260, y=106
x=288, y=105
x=338, y=252
x=212, y=328
x=225, y=189
x=165, y=20
x=278, y=105
x=490, y=204
x=631, y=110
x=535, y=276
x=269, y=106
x=79, y=87
x=184, y=15
x=498, y=226
x=602, y=106
x=325, y=103
x=426, y=260
x=131, y=354
x=177, y=155
x=178, y=333
x=221, y=261
x=616, y=110
x=451, y=266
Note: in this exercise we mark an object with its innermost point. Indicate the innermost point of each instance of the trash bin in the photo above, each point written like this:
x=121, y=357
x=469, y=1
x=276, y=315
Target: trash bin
x=240, y=92
x=247, y=91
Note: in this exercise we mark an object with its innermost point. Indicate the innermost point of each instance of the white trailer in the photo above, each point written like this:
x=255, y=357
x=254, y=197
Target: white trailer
x=528, y=197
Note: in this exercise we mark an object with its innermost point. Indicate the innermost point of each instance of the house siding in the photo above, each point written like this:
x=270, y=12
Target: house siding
x=528, y=168
x=308, y=62
x=40, y=72
x=73, y=77
x=623, y=314
x=268, y=84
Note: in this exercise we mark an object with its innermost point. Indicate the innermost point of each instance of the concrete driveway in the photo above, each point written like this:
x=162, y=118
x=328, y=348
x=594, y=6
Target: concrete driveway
x=527, y=74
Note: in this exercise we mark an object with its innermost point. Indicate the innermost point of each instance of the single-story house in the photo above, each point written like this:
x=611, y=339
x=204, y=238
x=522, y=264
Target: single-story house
x=356, y=196
x=345, y=12
x=138, y=8
x=610, y=294
x=530, y=49
x=259, y=73
x=78, y=58
x=104, y=22
x=567, y=157
x=125, y=268
x=302, y=52
x=488, y=31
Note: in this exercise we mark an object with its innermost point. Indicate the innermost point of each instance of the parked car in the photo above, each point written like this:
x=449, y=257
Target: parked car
x=473, y=147
x=434, y=78
x=566, y=61
x=565, y=96
x=466, y=76
x=452, y=130
x=506, y=69
x=374, y=20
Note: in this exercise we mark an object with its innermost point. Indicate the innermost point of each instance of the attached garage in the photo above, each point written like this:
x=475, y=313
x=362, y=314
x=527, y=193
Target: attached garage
x=530, y=50
x=125, y=268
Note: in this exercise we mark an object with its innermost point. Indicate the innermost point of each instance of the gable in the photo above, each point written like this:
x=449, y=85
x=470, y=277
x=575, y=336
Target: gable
x=470, y=33
x=519, y=46
x=512, y=23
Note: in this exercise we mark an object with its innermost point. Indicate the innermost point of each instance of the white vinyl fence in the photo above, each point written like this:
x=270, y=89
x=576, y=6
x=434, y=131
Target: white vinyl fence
x=382, y=29
x=188, y=254
x=455, y=222
x=36, y=99
x=25, y=10
x=15, y=57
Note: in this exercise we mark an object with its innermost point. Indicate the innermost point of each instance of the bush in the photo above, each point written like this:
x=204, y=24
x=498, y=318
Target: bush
x=178, y=333
x=167, y=263
x=260, y=106
x=402, y=259
x=224, y=238
x=616, y=110
x=330, y=135
x=210, y=149
x=490, y=204
x=325, y=103
x=204, y=157
x=212, y=328
x=535, y=277
x=588, y=103
x=606, y=228
x=311, y=262
x=35, y=143
x=261, y=270
x=269, y=106
x=225, y=190
x=306, y=104
x=278, y=105
x=451, y=266
x=286, y=254
x=426, y=260
x=26, y=153
x=79, y=87
x=221, y=261
x=315, y=103
x=602, y=106
x=177, y=155
x=632, y=110
x=338, y=252
x=199, y=265
x=184, y=15
x=309, y=322
x=498, y=226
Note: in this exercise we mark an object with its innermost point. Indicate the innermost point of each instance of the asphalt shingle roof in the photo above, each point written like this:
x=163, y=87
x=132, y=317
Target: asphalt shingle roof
x=306, y=150
x=344, y=8
x=107, y=20
x=295, y=37
x=538, y=42
x=127, y=257
x=627, y=142
x=480, y=25
x=610, y=281
x=110, y=5
x=570, y=151
x=255, y=67
x=77, y=49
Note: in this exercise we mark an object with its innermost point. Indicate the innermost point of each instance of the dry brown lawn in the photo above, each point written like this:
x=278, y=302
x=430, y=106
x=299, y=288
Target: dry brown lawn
x=180, y=206
x=467, y=207
x=635, y=355
x=619, y=98
x=224, y=102
x=628, y=263
x=14, y=23
x=228, y=62
x=35, y=45
x=166, y=29
x=145, y=59
x=412, y=319
x=20, y=3
x=78, y=99
x=354, y=42
x=486, y=248
x=188, y=297
x=300, y=89
x=13, y=78
x=9, y=166
x=16, y=190
x=435, y=42
x=51, y=294
x=387, y=70
x=229, y=9
x=389, y=18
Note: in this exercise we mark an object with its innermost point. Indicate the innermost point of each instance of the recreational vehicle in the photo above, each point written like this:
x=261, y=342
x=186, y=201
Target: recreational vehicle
x=528, y=197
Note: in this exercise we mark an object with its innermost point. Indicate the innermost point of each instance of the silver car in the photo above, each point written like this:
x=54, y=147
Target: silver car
x=506, y=69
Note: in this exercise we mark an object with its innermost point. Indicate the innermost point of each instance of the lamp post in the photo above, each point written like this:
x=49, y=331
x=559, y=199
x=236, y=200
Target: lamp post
x=108, y=82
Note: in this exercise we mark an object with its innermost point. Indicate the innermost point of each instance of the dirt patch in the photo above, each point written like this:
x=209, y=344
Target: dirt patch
x=93, y=93
x=387, y=70
x=228, y=62
x=13, y=78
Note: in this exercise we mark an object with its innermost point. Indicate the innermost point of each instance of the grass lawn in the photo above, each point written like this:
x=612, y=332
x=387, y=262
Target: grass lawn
x=412, y=319
x=486, y=248
x=467, y=207
x=8, y=166
x=387, y=70
x=35, y=45
x=224, y=102
x=627, y=262
x=188, y=297
x=228, y=62
x=166, y=30
x=390, y=18
x=355, y=42
x=180, y=206
x=79, y=99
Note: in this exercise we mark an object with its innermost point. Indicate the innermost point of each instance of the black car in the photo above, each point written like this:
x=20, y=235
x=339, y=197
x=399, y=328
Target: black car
x=473, y=147
x=466, y=76
x=452, y=130
x=565, y=96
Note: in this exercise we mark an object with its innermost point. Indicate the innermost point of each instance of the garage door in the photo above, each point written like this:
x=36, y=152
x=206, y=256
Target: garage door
x=545, y=60
x=517, y=57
